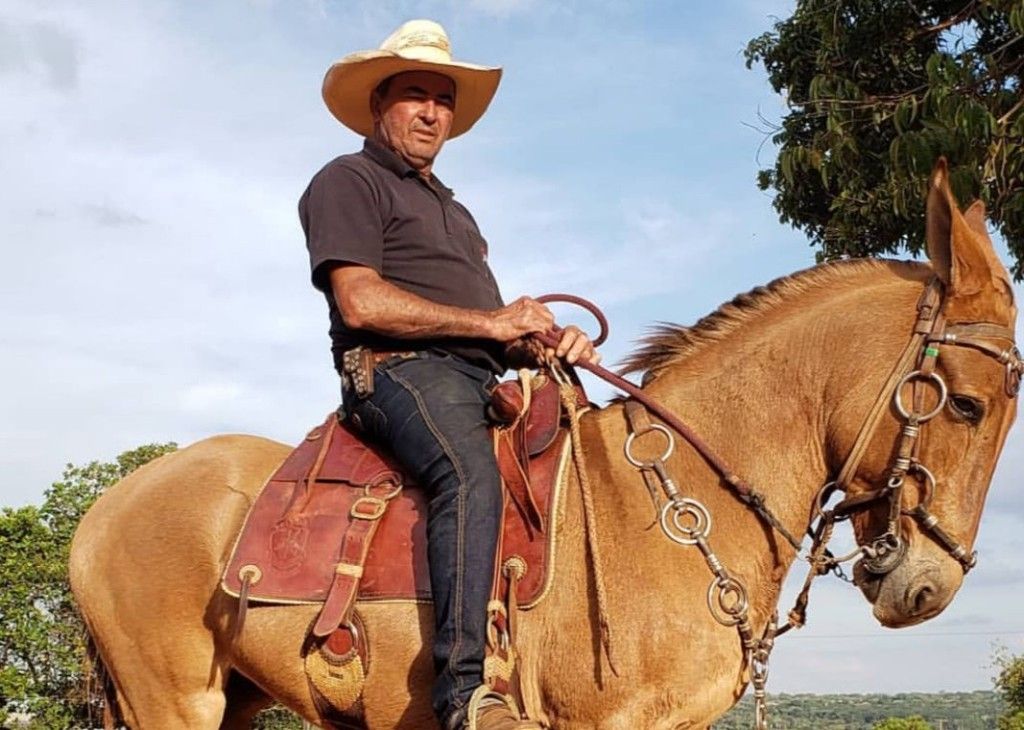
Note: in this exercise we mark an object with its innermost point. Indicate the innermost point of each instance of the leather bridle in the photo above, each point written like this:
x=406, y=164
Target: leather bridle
x=886, y=551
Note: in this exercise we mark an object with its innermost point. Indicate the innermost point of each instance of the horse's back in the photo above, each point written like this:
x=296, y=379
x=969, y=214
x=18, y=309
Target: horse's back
x=187, y=500
x=144, y=567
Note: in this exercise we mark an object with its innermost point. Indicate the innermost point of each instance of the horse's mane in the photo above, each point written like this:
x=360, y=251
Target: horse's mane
x=670, y=343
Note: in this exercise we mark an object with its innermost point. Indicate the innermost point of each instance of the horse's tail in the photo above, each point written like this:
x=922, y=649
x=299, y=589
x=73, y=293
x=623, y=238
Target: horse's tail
x=99, y=682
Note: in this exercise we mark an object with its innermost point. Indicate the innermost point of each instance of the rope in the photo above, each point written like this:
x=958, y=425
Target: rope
x=568, y=395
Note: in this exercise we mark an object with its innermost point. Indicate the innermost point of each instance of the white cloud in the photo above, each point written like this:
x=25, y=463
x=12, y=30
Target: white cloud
x=202, y=399
x=503, y=8
x=42, y=50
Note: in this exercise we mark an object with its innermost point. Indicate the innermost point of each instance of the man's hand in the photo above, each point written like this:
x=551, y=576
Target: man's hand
x=522, y=317
x=574, y=346
x=526, y=316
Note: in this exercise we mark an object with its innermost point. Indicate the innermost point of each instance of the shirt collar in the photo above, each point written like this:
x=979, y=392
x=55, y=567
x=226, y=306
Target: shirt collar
x=389, y=160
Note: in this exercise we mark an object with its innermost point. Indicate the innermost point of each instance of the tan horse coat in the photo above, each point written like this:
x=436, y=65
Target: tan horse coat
x=778, y=382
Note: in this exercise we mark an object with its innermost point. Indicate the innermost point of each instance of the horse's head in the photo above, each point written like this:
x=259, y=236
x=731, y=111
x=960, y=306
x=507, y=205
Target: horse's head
x=969, y=383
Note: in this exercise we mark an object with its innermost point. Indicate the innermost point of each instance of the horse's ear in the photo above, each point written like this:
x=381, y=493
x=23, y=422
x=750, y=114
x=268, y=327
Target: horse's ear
x=939, y=223
x=975, y=218
x=959, y=247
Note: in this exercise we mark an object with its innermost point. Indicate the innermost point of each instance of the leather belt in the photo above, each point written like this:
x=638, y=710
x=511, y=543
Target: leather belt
x=359, y=363
x=382, y=355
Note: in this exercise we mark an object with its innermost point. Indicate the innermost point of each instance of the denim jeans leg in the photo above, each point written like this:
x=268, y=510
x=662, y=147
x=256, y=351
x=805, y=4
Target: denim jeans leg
x=431, y=412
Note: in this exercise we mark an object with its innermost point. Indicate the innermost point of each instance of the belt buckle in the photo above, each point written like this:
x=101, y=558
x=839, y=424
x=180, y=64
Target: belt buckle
x=350, y=360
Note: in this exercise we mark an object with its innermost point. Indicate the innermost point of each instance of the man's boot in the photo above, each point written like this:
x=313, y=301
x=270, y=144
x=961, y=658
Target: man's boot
x=499, y=717
x=490, y=711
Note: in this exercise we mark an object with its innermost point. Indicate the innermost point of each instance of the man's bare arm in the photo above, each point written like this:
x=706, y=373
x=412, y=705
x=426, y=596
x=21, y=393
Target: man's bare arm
x=368, y=302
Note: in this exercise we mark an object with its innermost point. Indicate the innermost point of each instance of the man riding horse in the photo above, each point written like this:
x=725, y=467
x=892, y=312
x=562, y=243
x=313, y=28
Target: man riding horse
x=418, y=327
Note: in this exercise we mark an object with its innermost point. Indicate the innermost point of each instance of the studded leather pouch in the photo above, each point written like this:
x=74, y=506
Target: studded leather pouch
x=357, y=365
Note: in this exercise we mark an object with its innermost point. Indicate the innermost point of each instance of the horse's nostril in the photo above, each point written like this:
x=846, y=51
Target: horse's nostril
x=923, y=599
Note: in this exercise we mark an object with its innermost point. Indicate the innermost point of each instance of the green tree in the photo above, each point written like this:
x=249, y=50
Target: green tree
x=915, y=722
x=1011, y=721
x=877, y=90
x=277, y=718
x=1010, y=685
x=42, y=639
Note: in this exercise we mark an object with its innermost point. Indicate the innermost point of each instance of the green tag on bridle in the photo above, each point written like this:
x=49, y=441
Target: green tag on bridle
x=931, y=351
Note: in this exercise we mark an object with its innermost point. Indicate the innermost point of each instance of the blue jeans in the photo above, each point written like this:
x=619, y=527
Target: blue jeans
x=430, y=411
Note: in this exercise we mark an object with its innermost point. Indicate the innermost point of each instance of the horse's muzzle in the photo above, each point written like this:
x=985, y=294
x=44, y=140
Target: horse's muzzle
x=914, y=592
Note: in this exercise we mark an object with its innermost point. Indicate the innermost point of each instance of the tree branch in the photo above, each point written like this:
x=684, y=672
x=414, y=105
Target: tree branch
x=1013, y=110
x=960, y=17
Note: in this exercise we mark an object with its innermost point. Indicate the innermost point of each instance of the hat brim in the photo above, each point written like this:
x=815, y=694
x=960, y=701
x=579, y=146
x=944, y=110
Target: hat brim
x=349, y=83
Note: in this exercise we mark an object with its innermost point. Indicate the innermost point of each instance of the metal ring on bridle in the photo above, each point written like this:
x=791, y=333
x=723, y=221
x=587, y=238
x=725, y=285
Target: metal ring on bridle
x=884, y=554
x=673, y=526
x=898, y=396
x=823, y=496
x=929, y=487
x=650, y=464
x=727, y=613
x=1014, y=369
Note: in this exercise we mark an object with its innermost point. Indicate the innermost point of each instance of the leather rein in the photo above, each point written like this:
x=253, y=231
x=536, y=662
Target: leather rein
x=686, y=521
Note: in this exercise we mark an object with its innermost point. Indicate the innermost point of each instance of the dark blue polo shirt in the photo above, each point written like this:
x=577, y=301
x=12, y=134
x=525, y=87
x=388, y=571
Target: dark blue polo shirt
x=371, y=208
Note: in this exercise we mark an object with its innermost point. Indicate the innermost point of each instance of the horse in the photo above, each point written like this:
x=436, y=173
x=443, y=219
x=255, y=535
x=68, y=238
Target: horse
x=778, y=381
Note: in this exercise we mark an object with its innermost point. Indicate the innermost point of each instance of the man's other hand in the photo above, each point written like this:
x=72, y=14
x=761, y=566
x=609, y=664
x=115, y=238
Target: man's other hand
x=526, y=316
x=574, y=346
x=522, y=317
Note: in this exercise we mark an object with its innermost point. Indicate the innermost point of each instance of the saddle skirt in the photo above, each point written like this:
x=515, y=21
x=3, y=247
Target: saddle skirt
x=339, y=508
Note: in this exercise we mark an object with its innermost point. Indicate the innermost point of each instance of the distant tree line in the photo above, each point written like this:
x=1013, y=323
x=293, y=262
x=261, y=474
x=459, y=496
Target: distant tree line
x=979, y=710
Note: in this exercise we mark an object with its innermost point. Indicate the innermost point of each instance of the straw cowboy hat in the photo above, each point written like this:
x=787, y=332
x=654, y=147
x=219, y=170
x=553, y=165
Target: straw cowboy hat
x=418, y=45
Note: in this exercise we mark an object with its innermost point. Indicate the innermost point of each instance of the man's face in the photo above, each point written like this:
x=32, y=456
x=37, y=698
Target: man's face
x=414, y=117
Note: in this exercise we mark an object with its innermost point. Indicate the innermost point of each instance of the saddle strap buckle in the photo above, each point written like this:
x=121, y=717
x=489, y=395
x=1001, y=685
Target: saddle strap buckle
x=376, y=508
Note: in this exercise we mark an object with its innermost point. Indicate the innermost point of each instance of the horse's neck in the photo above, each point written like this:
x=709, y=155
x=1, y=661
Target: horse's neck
x=770, y=397
x=767, y=395
x=758, y=408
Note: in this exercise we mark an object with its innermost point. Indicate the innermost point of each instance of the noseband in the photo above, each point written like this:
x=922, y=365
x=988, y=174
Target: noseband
x=885, y=552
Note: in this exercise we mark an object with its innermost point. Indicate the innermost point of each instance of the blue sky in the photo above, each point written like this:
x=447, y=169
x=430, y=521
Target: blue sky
x=151, y=156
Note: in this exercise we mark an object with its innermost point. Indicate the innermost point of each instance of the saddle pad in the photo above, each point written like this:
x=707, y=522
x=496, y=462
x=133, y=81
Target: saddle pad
x=290, y=542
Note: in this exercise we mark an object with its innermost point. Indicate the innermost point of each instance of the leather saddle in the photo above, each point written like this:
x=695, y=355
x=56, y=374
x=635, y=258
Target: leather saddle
x=339, y=521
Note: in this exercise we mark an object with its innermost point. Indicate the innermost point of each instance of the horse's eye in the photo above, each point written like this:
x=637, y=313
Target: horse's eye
x=967, y=408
